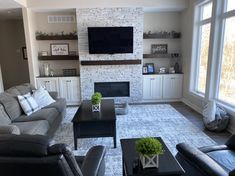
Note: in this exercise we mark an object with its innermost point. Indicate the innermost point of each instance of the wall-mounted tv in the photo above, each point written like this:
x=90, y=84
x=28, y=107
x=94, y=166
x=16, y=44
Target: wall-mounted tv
x=110, y=40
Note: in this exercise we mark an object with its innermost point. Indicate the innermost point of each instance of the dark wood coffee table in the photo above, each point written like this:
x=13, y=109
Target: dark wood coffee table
x=168, y=165
x=88, y=124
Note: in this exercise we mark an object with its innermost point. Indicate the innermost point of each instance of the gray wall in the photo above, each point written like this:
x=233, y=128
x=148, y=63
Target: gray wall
x=14, y=68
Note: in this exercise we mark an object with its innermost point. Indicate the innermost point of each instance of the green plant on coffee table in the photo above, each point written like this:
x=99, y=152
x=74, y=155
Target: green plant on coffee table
x=149, y=146
x=96, y=98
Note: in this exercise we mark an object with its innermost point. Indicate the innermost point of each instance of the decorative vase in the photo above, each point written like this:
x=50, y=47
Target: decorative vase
x=149, y=161
x=96, y=107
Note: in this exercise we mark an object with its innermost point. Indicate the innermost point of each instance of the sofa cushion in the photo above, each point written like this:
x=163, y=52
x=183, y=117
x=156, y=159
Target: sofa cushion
x=49, y=114
x=28, y=103
x=11, y=105
x=42, y=97
x=25, y=88
x=60, y=105
x=4, y=118
x=34, y=127
x=9, y=129
x=13, y=91
x=225, y=158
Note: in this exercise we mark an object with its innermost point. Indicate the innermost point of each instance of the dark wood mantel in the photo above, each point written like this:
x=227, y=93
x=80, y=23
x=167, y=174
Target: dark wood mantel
x=112, y=62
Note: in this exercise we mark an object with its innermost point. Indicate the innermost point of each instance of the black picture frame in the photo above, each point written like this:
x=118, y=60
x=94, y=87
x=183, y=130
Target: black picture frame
x=150, y=67
x=145, y=70
x=24, y=53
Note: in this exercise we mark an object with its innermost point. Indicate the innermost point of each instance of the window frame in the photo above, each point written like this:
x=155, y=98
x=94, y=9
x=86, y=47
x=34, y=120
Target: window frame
x=221, y=21
x=195, y=64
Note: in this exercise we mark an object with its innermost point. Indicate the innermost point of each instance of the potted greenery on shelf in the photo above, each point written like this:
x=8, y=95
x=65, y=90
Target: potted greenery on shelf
x=149, y=150
x=95, y=101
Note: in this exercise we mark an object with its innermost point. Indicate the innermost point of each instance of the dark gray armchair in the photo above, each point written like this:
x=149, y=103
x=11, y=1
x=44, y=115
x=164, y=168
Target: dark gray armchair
x=31, y=155
x=216, y=160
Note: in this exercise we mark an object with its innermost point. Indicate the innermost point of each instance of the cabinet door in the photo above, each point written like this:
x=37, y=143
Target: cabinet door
x=69, y=88
x=172, y=86
x=152, y=87
x=147, y=88
x=156, y=87
x=51, y=84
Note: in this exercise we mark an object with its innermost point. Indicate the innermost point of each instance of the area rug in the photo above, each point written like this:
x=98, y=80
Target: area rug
x=141, y=121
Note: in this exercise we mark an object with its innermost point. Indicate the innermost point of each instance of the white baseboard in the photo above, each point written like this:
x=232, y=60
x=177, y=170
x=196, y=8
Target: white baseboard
x=193, y=106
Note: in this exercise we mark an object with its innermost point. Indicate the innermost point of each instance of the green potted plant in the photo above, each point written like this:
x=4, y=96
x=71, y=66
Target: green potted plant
x=149, y=150
x=95, y=101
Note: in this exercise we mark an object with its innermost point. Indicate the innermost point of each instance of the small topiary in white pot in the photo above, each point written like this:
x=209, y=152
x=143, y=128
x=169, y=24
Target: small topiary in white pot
x=149, y=150
x=95, y=101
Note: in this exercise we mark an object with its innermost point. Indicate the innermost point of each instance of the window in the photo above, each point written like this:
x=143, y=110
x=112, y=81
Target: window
x=203, y=26
x=226, y=92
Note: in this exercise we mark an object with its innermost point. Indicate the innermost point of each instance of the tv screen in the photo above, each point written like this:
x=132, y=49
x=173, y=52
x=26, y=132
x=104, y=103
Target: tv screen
x=110, y=40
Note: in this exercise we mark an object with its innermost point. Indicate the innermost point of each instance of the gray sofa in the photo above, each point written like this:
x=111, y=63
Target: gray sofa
x=43, y=122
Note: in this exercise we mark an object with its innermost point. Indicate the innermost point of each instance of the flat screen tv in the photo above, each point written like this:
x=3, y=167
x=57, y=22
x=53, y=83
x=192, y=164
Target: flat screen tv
x=110, y=40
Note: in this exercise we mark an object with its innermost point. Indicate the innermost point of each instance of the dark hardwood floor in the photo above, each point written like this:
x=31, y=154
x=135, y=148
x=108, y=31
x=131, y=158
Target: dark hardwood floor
x=196, y=119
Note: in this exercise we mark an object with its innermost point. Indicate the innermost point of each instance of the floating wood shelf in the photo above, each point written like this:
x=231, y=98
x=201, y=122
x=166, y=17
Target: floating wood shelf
x=112, y=62
x=58, y=57
x=157, y=36
x=168, y=55
x=58, y=37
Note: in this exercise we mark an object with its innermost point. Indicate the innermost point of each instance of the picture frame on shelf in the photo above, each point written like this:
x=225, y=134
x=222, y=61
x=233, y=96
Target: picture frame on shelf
x=159, y=49
x=24, y=52
x=60, y=49
x=150, y=68
x=145, y=70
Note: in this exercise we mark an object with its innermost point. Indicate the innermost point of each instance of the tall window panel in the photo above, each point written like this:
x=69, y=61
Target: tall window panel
x=226, y=91
x=203, y=25
x=203, y=58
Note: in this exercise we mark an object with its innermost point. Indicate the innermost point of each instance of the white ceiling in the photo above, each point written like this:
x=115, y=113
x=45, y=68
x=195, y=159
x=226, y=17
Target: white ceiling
x=8, y=4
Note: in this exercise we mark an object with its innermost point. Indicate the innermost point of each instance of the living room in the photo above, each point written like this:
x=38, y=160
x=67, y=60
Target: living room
x=169, y=76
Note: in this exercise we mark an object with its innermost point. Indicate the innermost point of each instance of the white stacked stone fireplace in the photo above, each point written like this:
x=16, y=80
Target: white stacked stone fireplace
x=89, y=75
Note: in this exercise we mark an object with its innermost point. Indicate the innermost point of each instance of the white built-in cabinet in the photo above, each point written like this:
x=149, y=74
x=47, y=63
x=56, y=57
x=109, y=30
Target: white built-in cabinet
x=51, y=84
x=162, y=87
x=67, y=87
x=152, y=87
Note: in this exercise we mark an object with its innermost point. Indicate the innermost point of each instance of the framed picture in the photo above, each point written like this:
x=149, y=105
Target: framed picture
x=24, y=52
x=145, y=69
x=59, y=49
x=150, y=67
x=159, y=48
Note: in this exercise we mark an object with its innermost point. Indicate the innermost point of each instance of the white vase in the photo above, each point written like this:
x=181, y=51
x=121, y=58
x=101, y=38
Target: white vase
x=96, y=108
x=149, y=161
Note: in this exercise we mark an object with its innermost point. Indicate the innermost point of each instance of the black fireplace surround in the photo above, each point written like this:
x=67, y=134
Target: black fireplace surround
x=113, y=89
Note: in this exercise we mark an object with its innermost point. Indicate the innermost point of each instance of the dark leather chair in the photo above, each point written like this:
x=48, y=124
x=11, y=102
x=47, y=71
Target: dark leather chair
x=26, y=155
x=208, y=161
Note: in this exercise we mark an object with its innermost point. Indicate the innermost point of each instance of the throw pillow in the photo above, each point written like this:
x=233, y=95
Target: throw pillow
x=4, y=118
x=28, y=104
x=42, y=97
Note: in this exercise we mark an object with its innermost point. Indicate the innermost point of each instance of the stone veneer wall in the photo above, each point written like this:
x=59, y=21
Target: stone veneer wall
x=101, y=17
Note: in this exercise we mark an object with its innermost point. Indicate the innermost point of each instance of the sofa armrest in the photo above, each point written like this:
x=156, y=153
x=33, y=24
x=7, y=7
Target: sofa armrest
x=200, y=159
x=9, y=129
x=213, y=148
x=93, y=163
x=231, y=142
x=53, y=94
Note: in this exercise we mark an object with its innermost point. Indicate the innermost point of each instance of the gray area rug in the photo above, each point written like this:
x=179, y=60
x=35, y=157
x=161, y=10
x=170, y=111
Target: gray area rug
x=141, y=121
